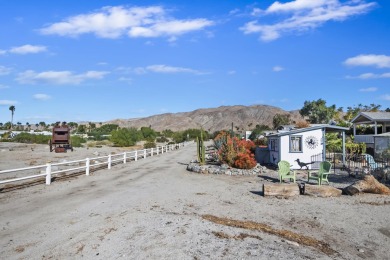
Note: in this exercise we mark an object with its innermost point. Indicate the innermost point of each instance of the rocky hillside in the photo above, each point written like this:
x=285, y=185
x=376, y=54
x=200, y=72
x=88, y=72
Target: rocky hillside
x=211, y=119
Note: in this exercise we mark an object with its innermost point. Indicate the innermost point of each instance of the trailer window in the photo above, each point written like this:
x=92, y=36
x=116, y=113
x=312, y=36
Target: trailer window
x=295, y=144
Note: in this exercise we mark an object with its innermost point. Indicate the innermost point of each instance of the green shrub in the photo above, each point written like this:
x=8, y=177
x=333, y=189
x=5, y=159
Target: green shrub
x=77, y=141
x=162, y=139
x=31, y=138
x=125, y=137
x=355, y=148
x=148, y=145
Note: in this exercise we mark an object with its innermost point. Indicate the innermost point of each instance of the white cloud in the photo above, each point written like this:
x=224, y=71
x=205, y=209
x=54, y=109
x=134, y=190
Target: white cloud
x=277, y=68
x=232, y=72
x=126, y=79
x=298, y=5
x=4, y=70
x=158, y=68
x=379, y=61
x=257, y=11
x=304, y=15
x=386, y=97
x=170, y=69
x=370, y=76
x=368, y=89
x=139, y=70
x=58, y=77
x=114, y=22
x=2, y=52
x=26, y=49
x=41, y=97
x=234, y=11
x=3, y=86
x=169, y=28
x=8, y=102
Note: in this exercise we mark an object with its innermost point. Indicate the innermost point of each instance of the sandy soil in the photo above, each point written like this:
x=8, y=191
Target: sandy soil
x=156, y=209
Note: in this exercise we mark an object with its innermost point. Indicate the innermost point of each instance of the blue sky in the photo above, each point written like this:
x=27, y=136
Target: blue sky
x=102, y=60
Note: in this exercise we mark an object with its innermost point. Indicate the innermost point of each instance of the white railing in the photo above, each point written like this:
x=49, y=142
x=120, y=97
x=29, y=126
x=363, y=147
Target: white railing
x=52, y=169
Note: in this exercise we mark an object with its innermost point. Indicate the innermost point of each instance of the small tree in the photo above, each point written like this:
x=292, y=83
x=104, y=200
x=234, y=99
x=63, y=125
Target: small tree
x=281, y=119
x=317, y=111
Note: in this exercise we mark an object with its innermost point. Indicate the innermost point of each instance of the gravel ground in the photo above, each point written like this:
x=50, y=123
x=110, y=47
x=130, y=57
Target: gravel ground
x=156, y=209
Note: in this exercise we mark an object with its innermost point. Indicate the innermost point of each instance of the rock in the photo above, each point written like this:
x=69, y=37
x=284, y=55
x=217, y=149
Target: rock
x=368, y=185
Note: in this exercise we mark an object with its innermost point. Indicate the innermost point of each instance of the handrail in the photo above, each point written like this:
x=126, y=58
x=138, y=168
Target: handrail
x=109, y=159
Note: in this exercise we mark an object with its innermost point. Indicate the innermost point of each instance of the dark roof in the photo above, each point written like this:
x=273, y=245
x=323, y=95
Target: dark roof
x=371, y=117
x=328, y=128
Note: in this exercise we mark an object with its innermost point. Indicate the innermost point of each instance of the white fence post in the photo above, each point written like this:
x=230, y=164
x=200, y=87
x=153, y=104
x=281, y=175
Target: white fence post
x=144, y=153
x=109, y=161
x=136, y=155
x=48, y=173
x=124, y=157
x=157, y=150
x=87, y=162
x=151, y=151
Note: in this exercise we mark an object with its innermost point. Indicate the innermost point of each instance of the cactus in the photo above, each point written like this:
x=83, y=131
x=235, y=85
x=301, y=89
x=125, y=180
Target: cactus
x=200, y=148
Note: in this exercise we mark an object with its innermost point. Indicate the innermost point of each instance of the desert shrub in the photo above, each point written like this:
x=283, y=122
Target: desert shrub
x=77, y=141
x=148, y=145
x=302, y=124
x=125, y=137
x=355, y=148
x=261, y=141
x=162, y=139
x=101, y=143
x=235, y=152
x=31, y=138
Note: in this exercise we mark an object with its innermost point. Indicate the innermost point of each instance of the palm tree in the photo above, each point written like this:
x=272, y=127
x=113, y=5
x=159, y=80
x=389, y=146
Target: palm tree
x=12, y=108
x=42, y=125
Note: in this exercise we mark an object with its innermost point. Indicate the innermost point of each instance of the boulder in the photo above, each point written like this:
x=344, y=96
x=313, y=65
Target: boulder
x=367, y=185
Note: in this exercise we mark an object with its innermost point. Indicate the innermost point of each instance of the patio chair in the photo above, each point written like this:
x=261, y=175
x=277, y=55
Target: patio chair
x=372, y=165
x=320, y=175
x=285, y=172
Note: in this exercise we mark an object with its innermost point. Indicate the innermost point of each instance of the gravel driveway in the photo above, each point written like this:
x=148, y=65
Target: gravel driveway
x=155, y=209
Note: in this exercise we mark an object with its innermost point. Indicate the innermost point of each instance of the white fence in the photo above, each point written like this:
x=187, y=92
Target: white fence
x=53, y=169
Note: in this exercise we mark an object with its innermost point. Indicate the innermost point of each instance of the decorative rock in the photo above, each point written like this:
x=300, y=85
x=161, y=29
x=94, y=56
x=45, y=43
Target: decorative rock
x=223, y=169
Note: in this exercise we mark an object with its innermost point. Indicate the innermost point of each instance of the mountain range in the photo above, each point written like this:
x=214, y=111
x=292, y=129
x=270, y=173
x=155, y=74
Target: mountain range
x=240, y=118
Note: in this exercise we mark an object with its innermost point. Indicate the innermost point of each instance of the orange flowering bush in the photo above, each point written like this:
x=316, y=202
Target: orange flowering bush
x=235, y=152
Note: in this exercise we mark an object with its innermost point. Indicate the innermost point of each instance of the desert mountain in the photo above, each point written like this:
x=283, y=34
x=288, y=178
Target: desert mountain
x=211, y=119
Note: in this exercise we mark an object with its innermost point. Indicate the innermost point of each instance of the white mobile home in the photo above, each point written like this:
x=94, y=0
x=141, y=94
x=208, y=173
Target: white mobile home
x=302, y=145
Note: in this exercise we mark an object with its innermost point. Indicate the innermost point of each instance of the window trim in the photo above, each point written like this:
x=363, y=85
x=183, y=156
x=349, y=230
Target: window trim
x=300, y=143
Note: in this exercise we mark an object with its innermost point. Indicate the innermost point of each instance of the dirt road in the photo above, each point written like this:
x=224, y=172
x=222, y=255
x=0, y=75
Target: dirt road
x=156, y=209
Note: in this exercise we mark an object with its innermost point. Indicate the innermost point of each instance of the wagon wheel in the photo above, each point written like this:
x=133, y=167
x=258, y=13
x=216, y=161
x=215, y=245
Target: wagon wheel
x=51, y=146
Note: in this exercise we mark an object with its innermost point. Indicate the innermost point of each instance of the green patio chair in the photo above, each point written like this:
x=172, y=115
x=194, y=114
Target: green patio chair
x=285, y=172
x=320, y=175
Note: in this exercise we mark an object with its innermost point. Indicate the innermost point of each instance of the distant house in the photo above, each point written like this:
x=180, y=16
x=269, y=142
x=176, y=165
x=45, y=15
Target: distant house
x=303, y=144
x=380, y=121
